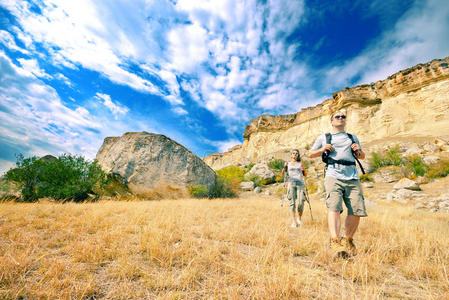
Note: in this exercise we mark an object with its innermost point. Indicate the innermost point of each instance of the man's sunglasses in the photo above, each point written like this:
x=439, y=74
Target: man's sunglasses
x=340, y=117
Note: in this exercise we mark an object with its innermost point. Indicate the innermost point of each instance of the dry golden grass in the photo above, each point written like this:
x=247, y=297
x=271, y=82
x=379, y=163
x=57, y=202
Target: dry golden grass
x=232, y=249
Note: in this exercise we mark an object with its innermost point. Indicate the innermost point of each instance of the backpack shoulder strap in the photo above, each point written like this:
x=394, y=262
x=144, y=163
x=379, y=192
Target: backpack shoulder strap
x=351, y=137
x=328, y=138
x=353, y=154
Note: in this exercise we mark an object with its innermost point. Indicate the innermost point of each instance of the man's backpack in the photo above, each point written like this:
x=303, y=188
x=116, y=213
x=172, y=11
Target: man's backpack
x=327, y=160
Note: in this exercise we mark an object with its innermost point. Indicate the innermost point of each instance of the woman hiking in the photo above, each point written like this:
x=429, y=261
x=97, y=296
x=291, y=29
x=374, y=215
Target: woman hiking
x=295, y=191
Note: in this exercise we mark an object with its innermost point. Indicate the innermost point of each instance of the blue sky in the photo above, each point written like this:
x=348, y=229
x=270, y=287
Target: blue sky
x=75, y=72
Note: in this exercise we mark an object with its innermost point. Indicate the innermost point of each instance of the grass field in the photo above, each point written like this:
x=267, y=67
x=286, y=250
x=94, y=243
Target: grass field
x=223, y=249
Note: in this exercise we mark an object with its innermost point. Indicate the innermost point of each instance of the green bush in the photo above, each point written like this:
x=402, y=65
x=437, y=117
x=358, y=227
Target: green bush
x=232, y=173
x=392, y=157
x=416, y=165
x=223, y=188
x=276, y=164
x=366, y=178
x=199, y=191
x=255, y=178
x=249, y=167
x=64, y=178
x=438, y=170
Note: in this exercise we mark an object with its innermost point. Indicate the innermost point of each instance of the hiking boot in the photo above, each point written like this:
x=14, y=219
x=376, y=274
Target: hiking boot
x=294, y=225
x=337, y=248
x=348, y=244
x=298, y=221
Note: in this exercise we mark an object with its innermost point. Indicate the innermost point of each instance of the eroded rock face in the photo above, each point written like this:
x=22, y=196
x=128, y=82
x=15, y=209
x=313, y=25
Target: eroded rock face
x=412, y=102
x=146, y=160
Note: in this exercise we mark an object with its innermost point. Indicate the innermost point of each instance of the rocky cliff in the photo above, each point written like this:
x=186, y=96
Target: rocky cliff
x=147, y=160
x=410, y=103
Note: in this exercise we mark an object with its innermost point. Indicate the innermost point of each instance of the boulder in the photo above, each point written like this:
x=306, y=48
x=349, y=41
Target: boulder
x=413, y=150
x=385, y=176
x=404, y=196
x=148, y=160
x=442, y=142
x=247, y=185
x=431, y=147
x=367, y=185
x=263, y=171
x=257, y=190
x=408, y=184
x=431, y=159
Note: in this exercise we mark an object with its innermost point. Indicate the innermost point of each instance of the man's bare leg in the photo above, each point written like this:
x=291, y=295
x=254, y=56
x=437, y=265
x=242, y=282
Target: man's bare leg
x=351, y=224
x=334, y=222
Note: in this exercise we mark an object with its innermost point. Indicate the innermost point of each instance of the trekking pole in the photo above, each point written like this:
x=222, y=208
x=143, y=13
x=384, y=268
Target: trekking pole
x=283, y=195
x=307, y=197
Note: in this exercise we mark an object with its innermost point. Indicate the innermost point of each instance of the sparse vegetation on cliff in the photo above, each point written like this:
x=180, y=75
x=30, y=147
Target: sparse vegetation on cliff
x=391, y=157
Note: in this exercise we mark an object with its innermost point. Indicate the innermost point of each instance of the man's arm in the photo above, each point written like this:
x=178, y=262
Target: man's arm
x=358, y=152
x=318, y=152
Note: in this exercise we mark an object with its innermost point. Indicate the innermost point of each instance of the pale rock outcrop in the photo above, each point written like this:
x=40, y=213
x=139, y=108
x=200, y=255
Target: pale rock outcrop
x=431, y=159
x=385, y=176
x=440, y=203
x=442, y=142
x=262, y=170
x=411, y=103
x=147, y=160
x=247, y=185
x=404, y=196
x=408, y=184
x=413, y=151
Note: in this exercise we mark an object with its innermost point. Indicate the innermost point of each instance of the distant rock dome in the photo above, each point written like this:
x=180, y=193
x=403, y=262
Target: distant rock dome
x=147, y=160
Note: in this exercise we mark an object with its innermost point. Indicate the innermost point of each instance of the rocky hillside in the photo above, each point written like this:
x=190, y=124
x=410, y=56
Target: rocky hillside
x=409, y=104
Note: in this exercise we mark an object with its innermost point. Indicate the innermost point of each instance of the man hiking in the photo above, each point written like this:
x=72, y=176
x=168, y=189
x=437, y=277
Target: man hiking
x=341, y=182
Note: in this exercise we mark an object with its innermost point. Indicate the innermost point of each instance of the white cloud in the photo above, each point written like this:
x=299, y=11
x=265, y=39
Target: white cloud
x=187, y=47
x=180, y=111
x=226, y=145
x=5, y=165
x=32, y=66
x=115, y=108
x=8, y=40
x=35, y=119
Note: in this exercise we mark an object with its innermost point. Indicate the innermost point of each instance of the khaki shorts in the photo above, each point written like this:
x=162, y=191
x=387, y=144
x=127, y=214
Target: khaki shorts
x=296, y=191
x=349, y=191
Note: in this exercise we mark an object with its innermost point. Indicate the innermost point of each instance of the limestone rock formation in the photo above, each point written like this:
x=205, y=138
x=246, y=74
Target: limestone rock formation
x=411, y=103
x=263, y=171
x=247, y=185
x=146, y=160
x=408, y=184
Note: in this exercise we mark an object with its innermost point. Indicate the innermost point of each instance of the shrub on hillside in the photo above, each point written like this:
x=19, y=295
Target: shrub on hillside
x=366, y=178
x=254, y=178
x=64, y=178
x=199, y=191
x=438, y=170
x=232, y=173
x=416, y=165
x=223, y=188
x=276, y=164
x=391, y=157
x=249, y=167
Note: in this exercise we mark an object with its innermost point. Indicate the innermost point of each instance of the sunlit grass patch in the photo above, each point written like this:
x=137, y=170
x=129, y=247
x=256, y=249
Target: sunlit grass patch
x=239, y=248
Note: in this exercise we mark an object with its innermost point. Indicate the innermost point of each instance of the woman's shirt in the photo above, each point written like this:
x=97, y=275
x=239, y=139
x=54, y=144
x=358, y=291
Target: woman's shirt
x=295, y=172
